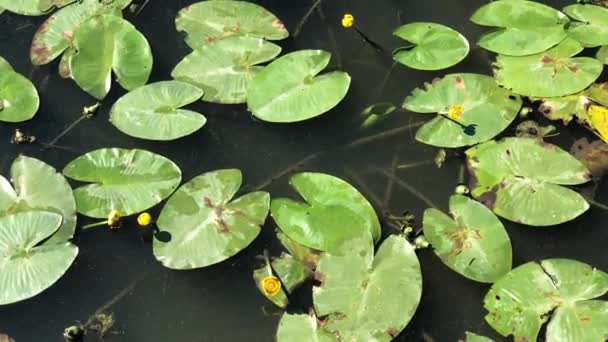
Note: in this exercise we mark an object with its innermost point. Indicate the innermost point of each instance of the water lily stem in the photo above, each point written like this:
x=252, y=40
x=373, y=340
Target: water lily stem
x=305, y=18
x=407, y=187
x=597, y=204
x=366, y=189
x=96, y=224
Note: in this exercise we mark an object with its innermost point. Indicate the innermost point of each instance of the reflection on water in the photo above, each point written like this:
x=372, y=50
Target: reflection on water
x=116, y=272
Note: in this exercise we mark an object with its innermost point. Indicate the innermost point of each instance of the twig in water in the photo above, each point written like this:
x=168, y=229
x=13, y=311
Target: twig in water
x=305, y=18
x=415, y=164
x=332, y=37
x=142, y=7
x=361, y=183
x=407, y=187
x=87, y=113
x=461, y=170
x=288, y=169
x=597, y=204
x=389, y=184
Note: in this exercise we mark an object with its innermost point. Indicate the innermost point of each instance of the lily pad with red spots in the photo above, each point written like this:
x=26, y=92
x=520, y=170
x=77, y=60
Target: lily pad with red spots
x=206, y=224
x=473, y=242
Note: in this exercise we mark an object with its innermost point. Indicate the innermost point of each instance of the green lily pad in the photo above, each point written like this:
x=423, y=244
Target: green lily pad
x=471, y=337
x=56, y=34
x=523, y=27
x=223, y=70
x=302, y=328
x=433, y=46
x=602, y=54
x=32, y=7
x=564, y=108
x=206, y=227
x=334, y=211
x=474, y=243
x=308, y=256
x=591, y=29
x=290, y=89
x=598, y=93
x=152, y=111
x=292, y=273
x=367, y=298
x=209, y=21
x=521, y=179
x=129, y=181
x=106, y=43
x=26, y=267
x=483, y=102
x=38, y=186
x=559, y=289
x=19, y=99
x=556, y=72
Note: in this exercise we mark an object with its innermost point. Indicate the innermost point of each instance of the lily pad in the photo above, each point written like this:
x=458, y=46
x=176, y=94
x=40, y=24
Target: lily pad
x=56, y=34
x=559, y=289
x=474, y=243
x=302, y=328
x=152, y=111
x=433, y=46
x=556, y=72
x=334, y=212
x=308, y=256
x=19, y=99
x=591, y=29
x=209, y=21
x=521, y=179
x=38, y=186
x=223, y=70
x=602, y=54
x=565, y=108
x=292, y=273
x=523, y=27
x=490, y=108
x=32, y=7
x=205, y=224
x=129, y=181
x=598, y=93
x=471, y=337
x=26, y=267
x=106, y=43
x=290, y=89
x=367, y=298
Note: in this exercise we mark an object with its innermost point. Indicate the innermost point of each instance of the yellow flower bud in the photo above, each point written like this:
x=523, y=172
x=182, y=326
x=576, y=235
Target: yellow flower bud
x=114, y=218
x=455, y=112
x=348, y=20
x=144, y=219
x=271, y=285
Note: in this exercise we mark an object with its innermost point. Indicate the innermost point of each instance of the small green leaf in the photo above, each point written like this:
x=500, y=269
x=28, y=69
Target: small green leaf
x=474, y=243
x=290, y=89
x=26, y=267
x=556, y=72
x=129, y=181
x=521, y=179
x=19, y=99
x=434, y=46
x=292, y=273
x=206, y=225
x=152, y=111
x=209, y=21
x=523, y=27
x=334, y=211
x=471, y=337
x=591, y=29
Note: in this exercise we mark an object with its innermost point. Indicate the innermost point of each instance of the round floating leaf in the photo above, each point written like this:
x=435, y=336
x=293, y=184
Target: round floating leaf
x=484, y=104
x=520, y=179
x=474, y=243
x=224, y=69
x=129, y=181
x=524, y=27
x=471, y=337
x=19, y=99
x=591, y=29
x=523, y=300
x=152, y=111
x=206, y=227
x=433, y=46
x=602, y=54
x=302, y=328
x=32, y=7
x=289, y=89
x=56, y=34
x=104, y=43
x=367, y=298
x=208, y=21
x=556, y=72
x=27, y=268
x=334, y=211
x=39, y=186
x=292, y=273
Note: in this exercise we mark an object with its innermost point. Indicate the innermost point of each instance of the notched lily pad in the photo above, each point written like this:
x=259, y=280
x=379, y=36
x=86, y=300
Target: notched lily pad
x=334, y=211
x=524, y=180
x=19, y=99
x=482, y=105
x=129, y=181
x=556, y=71
x=523, y=27
x=153, y=111
x=289, y=89
x=209, y=21
x=561, y=290
x=433, y=46
x=223, y=70
x=591, y=29
x=206, y=225
x=26, y=266
x=473, y=242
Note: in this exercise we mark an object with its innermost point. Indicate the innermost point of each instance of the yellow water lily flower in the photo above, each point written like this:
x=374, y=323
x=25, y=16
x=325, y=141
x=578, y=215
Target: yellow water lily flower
x=144, y=219
x=455, y=111
x=348, y=21
x=598, y=116
x=271, y=285
x=114, y=218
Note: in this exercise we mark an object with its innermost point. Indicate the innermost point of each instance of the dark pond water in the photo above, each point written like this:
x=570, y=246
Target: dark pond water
x=221, y=303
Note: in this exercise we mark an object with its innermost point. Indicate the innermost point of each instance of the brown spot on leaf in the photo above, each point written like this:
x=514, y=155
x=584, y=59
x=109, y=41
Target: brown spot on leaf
x=278, y=24
x=520, y=339
x=69, y=35
x=459, y=83
x=546, y=59
x=462, y=238
x=488, y=198
x=573, y=68
x=319, y=278
x=392, y=332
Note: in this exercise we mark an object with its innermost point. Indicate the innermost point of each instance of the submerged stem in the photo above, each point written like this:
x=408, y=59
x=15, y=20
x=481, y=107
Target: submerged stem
x=407, y=187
